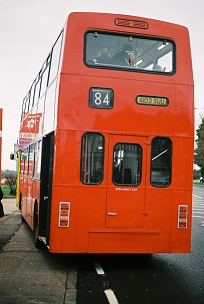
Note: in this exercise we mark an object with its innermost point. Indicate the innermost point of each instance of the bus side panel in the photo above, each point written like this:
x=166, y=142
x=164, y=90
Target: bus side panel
x=183, y=163
x=70, y=113
x=181, y=238
x=91, y=211
x=36, y=195
x=66, y=157
x=123, y=242
x=62, y=239
x=23, y=191
x=87, y=210
x=184, y=111
x=158, y=209
x=69, y=108
x=29, y=203
x=65, y=173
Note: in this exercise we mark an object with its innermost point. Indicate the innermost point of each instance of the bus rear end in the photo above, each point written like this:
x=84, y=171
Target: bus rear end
x=122, y=175
x=106, y=143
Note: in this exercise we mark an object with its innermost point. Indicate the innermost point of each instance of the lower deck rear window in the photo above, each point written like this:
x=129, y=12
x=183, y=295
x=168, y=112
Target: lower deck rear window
x=161, y=162
x=92, y=158
x=127, y=164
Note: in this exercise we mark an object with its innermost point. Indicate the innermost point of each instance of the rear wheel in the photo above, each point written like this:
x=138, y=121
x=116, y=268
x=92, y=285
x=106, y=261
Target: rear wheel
x=19, y=206
x=37, y=242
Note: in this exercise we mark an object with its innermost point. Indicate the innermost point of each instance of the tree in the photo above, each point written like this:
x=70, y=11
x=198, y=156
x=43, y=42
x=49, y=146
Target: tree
x=202, y=171
x=199, y=150
x=11, y=177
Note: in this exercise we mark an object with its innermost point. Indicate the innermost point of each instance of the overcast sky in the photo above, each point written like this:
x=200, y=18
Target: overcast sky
x=28, y=28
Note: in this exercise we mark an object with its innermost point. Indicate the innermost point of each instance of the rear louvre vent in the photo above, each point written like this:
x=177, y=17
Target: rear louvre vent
x=131, y=23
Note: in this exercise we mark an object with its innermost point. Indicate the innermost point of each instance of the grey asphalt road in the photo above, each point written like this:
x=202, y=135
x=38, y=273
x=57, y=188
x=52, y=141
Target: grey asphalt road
x=28, y=275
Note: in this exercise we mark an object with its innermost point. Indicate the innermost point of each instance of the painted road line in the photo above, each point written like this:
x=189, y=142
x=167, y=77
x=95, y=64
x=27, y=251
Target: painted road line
x=197, y=196
x=108, y=292
x=98, y=268
x=111, y=296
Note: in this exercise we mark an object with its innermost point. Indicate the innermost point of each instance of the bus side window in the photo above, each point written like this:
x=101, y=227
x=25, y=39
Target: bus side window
x=25, y=106
x=92, y=158
x=32, y=91
x=161, y=162
x=23, y=159
x=45, y=73
x=37, y=89
x=55, y=58
x=31, y=160
x=37, y=160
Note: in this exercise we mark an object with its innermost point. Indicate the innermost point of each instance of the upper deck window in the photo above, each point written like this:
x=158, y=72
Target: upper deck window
x=134, y=53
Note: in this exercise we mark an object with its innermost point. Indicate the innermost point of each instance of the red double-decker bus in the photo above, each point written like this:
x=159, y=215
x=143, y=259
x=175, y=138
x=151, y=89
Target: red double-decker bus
x=106, y=138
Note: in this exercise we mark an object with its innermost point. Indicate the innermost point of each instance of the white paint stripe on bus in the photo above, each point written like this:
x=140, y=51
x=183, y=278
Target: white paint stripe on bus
x=111, y=296
x=98, y=268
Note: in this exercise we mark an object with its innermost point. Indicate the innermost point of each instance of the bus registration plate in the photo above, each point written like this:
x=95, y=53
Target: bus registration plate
x=152, y=100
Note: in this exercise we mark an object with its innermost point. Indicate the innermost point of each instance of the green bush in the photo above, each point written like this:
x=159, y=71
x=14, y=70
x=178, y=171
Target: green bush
x=9, y=190
x=6, y=190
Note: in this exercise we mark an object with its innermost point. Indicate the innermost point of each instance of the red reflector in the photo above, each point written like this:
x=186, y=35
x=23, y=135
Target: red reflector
x=64, y=223
x=140, y=24
x=131, y=23
x=122, y=22
x=183, y=209
x=182, y=225
x=64, y=206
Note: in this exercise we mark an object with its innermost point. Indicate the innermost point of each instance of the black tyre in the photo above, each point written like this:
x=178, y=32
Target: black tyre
x=37, y=242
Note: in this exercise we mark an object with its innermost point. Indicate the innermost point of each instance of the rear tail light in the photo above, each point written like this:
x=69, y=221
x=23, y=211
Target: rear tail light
x=182, y=216
x=64, y=214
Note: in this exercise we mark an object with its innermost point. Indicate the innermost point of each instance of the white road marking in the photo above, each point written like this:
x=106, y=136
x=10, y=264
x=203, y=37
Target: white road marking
x=197, y=196
x=98, y=268
x=108, y=292
x=198, y=207
x=110, y=296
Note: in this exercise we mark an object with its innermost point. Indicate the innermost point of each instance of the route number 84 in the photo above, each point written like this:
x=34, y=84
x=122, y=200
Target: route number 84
x=101, y=98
